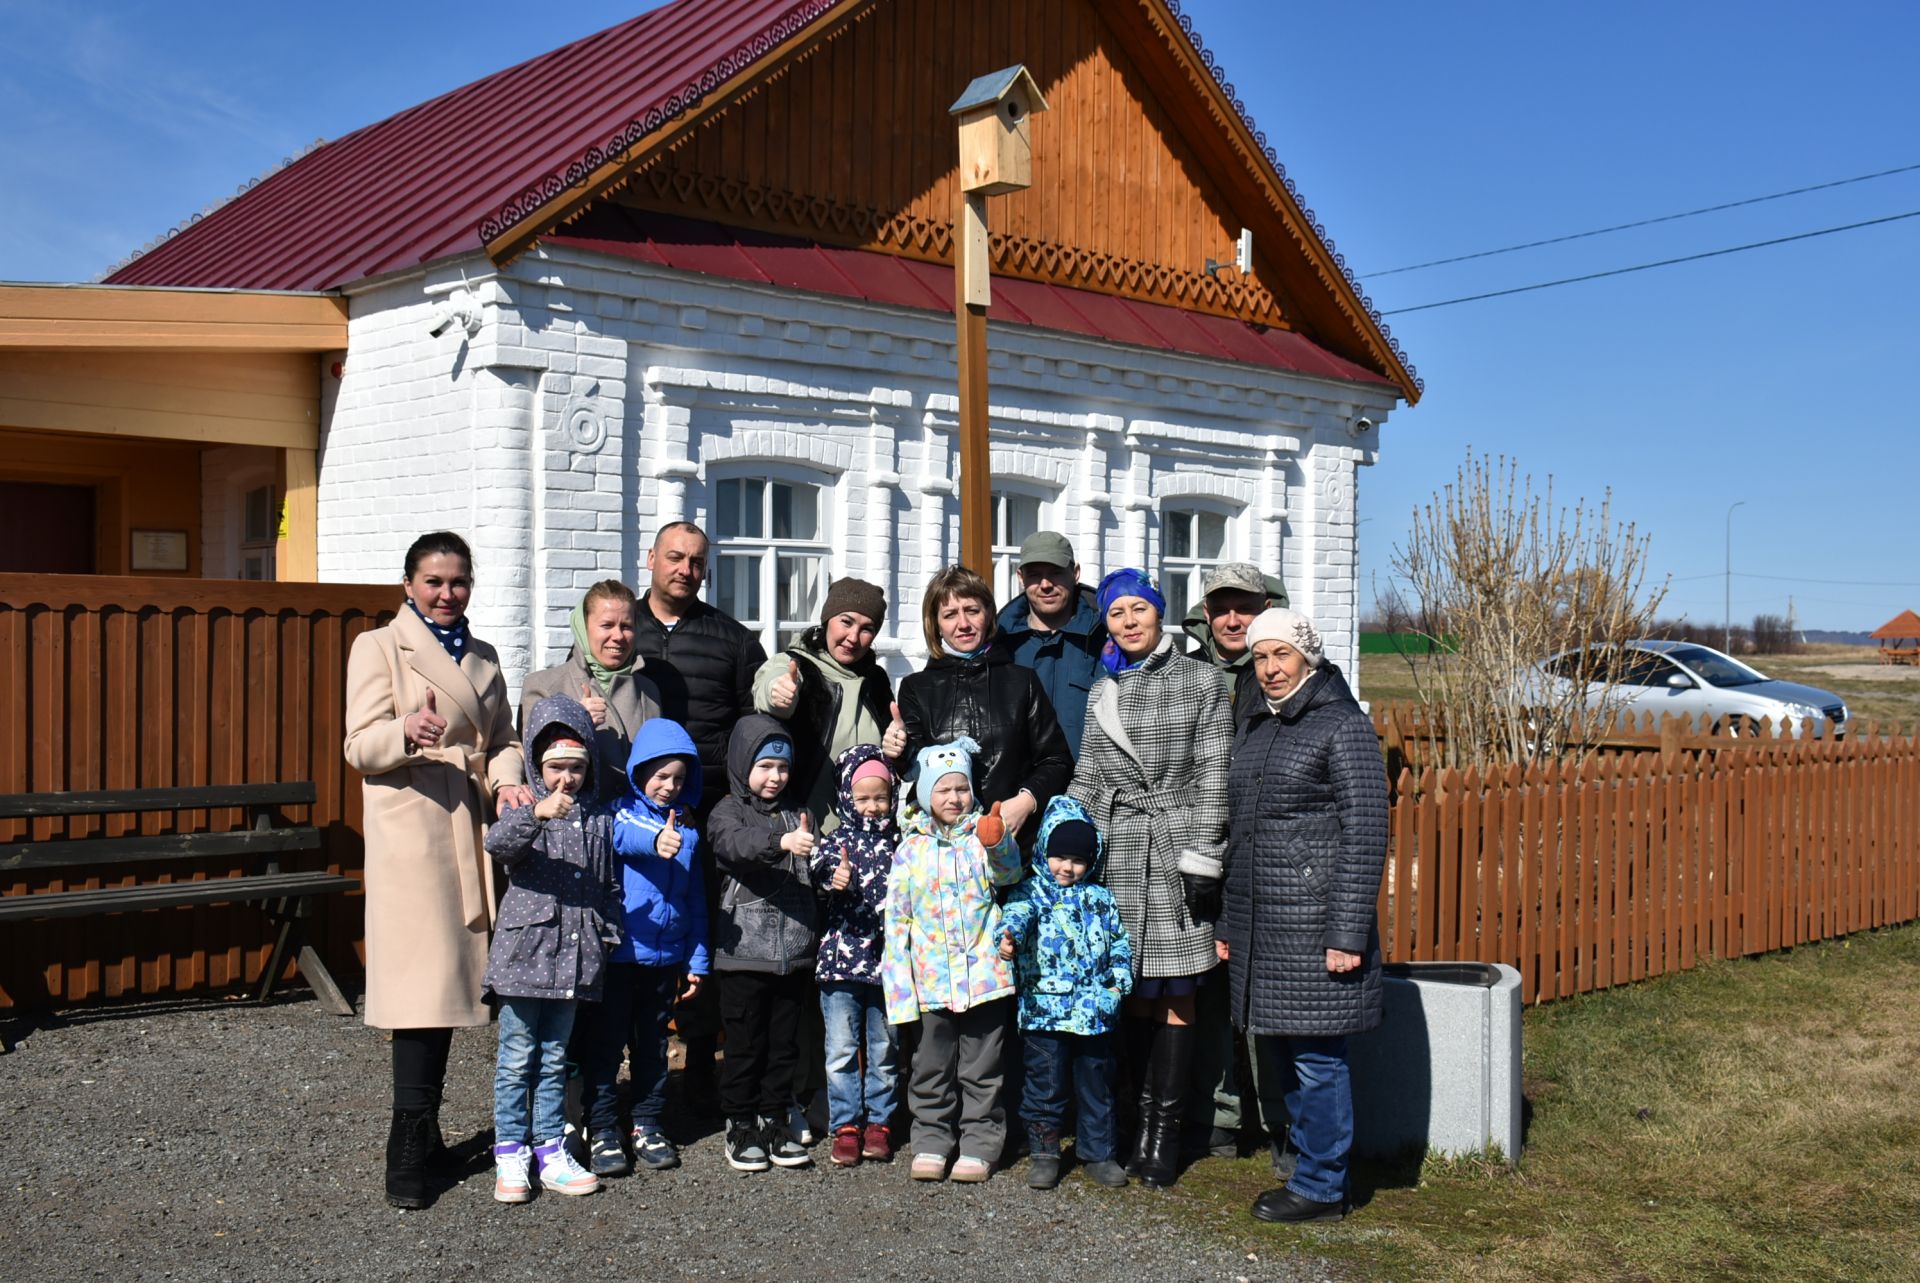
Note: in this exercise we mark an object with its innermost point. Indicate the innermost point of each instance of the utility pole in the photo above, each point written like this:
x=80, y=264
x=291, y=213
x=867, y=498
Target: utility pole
x=996, y=156
x=1726, y=615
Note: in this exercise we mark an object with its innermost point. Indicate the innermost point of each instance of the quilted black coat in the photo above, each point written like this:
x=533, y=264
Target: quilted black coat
x=1306, y=846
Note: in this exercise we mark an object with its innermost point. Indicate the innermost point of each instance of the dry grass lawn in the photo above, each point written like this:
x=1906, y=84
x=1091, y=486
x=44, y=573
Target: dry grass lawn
x=1751, y=1120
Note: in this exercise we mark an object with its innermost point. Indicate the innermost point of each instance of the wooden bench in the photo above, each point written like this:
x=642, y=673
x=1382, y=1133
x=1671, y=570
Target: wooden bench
x=285, y=894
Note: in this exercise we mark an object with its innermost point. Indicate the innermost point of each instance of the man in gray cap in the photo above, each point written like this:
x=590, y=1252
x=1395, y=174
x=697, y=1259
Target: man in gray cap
x=1231, y=598
x=1055, y=629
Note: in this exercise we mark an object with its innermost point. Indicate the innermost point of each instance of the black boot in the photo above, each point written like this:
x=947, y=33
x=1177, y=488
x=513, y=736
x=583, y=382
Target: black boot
x=409, y=1140
x=1171, y=1068
x=1043, y=1168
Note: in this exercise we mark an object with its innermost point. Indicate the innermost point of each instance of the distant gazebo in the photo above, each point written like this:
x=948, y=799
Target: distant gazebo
x=1894, y=636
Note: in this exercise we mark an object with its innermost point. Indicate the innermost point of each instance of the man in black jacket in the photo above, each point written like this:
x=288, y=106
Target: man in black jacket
x=703, y=661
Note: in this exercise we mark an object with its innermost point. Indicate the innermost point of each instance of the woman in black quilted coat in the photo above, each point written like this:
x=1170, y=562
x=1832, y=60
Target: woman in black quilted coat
x=1307, y=844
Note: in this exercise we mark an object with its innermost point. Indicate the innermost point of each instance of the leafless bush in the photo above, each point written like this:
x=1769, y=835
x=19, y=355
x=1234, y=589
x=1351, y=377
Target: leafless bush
x=1509, y=580
x=1772, y=636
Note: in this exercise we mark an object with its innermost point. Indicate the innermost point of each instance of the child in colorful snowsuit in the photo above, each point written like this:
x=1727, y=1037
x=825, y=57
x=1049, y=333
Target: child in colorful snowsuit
x=1074, y=964
x=942, y=963
x=850, y=866
x=763, y=941
x=665, y=949
x=560, y=914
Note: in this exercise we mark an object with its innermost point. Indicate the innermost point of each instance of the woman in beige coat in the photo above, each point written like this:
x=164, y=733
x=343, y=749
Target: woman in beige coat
x=603, y=673
x=430, y=728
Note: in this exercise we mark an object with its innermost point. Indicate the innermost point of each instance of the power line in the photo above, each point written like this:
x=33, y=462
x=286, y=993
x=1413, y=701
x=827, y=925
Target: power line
x=1644, y=222
x=1836, y=583
x=1647, y=267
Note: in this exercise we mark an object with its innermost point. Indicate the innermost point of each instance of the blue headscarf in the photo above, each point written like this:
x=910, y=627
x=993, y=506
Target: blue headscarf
x=453, y=640
x=1126, y=583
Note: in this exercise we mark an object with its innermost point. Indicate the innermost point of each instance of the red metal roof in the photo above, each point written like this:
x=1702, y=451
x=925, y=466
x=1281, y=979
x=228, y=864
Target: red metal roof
x=690, y=245
x=417, y=186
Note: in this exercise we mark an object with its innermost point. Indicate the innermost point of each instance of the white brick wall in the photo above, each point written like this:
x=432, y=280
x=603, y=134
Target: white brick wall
x=600, y=398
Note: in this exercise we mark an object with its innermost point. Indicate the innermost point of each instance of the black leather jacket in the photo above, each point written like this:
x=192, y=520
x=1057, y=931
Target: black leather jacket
x=1006, y=711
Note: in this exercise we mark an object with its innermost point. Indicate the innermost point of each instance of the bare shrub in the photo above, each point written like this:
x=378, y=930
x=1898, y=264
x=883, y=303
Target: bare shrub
x=1509, y=580
x=1773, y=636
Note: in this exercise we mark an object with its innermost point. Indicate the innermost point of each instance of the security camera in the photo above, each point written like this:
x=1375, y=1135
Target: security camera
x=1360, y=426
x=458, y=310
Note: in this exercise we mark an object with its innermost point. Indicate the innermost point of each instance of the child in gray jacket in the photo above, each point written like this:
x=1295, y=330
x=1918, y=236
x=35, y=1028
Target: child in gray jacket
x=763, y=942
x=560, y=915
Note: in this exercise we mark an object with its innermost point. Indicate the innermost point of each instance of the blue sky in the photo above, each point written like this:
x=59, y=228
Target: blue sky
x=1781, y=377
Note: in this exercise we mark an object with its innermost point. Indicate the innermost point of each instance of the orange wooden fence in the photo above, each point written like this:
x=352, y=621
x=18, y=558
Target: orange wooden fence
x=1635, y=865
x=162, y=683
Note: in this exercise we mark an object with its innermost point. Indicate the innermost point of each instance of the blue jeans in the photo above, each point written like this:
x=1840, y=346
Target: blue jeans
x=532, y=1061
x=1056, y=1065
x=636, y=1001
x=1313, y=1076
x=856, y=1019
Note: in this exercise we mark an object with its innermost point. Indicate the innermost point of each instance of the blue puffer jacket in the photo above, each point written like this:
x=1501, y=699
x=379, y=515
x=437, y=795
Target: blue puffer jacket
x=1073, y=962
x=665, y=901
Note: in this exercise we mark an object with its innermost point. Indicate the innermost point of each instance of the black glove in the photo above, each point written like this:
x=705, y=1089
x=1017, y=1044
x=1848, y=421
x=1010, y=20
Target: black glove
x=1203, y=897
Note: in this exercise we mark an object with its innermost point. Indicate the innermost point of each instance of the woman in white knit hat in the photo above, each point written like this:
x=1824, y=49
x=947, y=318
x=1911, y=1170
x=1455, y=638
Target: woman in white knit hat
x=1308, y=794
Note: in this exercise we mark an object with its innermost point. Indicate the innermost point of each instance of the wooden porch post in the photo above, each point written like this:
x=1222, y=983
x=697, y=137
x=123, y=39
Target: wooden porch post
x=297, y=554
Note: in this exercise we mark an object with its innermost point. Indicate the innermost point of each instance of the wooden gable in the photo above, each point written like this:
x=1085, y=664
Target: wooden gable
x=1143, y=170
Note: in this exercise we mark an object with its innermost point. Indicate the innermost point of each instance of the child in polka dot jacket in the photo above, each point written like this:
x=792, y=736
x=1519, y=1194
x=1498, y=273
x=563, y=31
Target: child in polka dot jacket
x=560, y=916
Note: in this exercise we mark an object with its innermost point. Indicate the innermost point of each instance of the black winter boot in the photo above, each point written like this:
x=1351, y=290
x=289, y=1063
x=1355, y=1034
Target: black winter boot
x=1171, y=1067
x=409, y=1141
x=1139, y=1052
x=1043, y=1168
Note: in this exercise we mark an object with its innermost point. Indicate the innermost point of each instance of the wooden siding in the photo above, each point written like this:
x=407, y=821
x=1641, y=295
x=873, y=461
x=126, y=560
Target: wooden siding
x=84, y=316
x=214, y=398
x=853, y=145
x=154, y=683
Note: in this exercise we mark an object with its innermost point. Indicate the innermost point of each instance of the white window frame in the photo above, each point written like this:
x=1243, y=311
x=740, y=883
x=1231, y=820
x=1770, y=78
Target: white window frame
x=775, y=634
x=1006, y=550
x=257, y=546
x=1181, y=575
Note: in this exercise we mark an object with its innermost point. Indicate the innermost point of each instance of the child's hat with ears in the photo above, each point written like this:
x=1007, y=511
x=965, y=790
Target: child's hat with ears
x=942, y=759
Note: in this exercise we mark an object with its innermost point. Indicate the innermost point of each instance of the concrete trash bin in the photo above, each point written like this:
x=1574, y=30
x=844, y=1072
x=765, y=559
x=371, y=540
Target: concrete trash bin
x=1442, y=1072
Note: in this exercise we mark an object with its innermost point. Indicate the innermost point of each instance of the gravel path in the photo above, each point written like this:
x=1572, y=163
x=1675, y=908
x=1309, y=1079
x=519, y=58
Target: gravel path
x=227, y=1141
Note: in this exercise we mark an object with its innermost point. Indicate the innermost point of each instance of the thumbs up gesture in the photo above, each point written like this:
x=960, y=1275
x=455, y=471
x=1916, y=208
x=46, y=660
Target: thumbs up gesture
x=991, y=829
x=668, y=842
x=424, y=728
x=1007, y=946
x=842, y=873
x=894, y=742
x=800, y=841
x=594, y=703
x=786, y=689
x=557, y=805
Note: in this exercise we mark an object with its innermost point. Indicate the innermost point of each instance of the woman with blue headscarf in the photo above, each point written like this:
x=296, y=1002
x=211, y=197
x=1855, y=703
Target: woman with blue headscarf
x=1153, y=774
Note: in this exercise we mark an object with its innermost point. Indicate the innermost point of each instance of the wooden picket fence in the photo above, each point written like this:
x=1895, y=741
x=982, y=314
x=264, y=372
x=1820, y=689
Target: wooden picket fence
x=1636, y=864
x=120, y=683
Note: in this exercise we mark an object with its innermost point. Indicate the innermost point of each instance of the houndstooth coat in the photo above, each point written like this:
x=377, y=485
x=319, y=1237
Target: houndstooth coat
x=1157, y=790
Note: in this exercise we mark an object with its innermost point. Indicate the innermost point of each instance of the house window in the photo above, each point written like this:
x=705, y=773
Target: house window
x=1016, y=518
x=770, y=556
x=1191, y=543
x=260, y=527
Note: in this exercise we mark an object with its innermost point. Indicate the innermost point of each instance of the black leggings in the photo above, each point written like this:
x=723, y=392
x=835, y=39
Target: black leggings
x=419, y=1067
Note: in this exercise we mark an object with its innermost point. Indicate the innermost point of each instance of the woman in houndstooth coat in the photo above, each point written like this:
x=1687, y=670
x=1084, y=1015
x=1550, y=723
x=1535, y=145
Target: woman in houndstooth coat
x=1153, y=774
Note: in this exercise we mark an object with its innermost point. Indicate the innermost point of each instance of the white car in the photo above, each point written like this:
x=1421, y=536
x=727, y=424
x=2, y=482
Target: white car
x=1685, y=679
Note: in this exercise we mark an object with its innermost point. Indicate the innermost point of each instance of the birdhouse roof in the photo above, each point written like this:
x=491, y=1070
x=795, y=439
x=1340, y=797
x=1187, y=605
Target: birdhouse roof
x=1901, y=627
x=989, y=89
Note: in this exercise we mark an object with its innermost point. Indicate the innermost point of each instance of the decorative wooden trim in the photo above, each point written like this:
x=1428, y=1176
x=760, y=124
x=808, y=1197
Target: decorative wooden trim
x=1176, y=32
x=661, y=189
x=124, y=316
x=562, y=195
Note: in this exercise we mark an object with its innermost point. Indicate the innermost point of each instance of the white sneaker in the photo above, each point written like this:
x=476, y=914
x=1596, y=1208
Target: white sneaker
x=797, y=1125
x=512, y=1180
x=561, y=1172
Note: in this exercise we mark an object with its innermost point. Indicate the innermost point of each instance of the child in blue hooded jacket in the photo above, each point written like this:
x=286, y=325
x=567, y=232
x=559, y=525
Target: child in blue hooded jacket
x=1074, y=964
x=666, y=943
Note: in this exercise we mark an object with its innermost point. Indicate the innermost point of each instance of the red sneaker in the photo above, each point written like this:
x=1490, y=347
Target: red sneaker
x=846, y=1146
x=877, y=1144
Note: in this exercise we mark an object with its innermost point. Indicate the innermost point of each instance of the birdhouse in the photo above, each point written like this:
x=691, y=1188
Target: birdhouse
x=996, y=147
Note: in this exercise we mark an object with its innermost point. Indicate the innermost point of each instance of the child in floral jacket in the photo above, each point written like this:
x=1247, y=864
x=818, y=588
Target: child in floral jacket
x=942, y=965
x=850, y=867
x=1074, y=965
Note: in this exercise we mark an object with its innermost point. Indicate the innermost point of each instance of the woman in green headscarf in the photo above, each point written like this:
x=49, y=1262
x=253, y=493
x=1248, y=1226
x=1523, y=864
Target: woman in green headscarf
x=603, y=673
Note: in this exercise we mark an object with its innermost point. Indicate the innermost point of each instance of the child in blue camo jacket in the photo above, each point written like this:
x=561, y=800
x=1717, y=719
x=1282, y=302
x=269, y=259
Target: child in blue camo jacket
x=1074, y=964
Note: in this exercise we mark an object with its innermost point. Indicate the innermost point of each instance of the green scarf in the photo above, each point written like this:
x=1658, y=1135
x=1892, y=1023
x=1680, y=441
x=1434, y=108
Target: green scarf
x=602, y=675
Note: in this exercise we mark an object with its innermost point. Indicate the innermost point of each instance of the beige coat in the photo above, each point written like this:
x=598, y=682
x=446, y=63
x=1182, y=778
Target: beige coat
x=632, y=702
x=430, y=897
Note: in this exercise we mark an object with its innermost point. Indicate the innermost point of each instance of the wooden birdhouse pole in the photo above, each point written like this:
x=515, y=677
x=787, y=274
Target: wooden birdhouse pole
x=996, y=156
